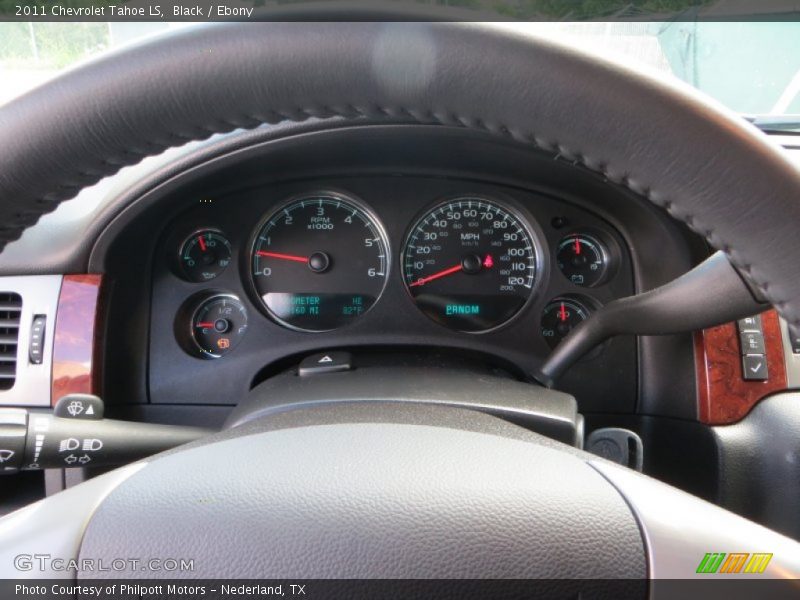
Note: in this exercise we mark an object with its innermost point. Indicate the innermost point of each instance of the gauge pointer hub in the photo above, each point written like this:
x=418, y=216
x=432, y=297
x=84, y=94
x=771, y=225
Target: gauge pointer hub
x=579, y=261
x=471, y=264
x=319, y=262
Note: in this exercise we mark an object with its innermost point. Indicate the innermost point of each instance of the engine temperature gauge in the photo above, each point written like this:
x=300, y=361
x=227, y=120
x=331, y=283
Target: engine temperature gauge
x=583, y=259
x=562, y=315
x=218, y=325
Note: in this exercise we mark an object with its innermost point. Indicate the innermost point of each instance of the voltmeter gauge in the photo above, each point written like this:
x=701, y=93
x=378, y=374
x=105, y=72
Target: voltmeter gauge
x=218, y=324
x=562, y=315
x=583, y=259
x=204, y=255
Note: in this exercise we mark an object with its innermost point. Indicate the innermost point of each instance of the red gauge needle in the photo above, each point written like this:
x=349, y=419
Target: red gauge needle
x=439, y=275
x=205, y=325
x=202, y=243
x=301, y=259
x=577, y=245
x=562, y=313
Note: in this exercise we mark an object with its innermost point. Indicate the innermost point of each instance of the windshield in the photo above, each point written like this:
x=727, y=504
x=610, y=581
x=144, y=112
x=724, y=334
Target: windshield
x=752, y=67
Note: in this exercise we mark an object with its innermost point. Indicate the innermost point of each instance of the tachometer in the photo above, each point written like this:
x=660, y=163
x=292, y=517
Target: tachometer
x=319, y=262
x=470, y=264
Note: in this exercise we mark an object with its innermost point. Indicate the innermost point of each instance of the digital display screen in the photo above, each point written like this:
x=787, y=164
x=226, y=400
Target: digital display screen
x=317, y=312
x=469, y=312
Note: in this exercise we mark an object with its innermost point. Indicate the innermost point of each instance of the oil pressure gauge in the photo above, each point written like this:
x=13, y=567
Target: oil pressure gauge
x=562, y=315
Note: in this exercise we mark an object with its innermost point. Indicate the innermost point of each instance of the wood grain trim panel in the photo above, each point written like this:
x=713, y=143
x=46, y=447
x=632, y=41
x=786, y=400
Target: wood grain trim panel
x=75, y=338
x=723, y=395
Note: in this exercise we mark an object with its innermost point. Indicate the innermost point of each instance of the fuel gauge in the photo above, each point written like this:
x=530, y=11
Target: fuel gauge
x=218, y=325
x=583, y=259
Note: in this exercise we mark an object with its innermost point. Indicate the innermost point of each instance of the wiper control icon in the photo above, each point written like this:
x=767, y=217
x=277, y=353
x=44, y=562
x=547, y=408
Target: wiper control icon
x=75, y=408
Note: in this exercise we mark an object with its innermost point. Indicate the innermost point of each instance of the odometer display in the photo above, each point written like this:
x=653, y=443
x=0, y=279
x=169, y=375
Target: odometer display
x=470, y=264
x=319, y=262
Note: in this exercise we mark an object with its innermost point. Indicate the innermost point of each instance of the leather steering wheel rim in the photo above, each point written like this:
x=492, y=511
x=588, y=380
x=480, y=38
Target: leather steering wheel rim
x=679, y=150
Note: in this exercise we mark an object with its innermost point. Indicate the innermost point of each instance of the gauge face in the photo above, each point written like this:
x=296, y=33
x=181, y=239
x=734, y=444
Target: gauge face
x=204, y=255
x=560, y=316
x=470, y=264
x=582, y=259
x=218, y=325
x=319, y=262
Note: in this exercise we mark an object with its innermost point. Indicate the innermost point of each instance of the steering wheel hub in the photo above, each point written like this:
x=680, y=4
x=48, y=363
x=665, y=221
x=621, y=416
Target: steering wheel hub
x=373, y=490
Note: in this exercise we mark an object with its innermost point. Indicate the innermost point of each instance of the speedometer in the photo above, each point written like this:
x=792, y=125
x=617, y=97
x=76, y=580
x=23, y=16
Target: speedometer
x=470, y=264
x=319, y=262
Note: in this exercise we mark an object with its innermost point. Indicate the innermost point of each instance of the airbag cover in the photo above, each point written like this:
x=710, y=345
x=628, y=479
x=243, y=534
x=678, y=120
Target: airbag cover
x=367, y=500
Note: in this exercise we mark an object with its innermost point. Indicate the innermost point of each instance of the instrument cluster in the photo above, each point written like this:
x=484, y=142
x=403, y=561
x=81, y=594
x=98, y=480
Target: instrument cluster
x=319, y=260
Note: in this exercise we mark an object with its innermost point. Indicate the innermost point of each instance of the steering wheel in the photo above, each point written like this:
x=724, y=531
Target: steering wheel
x=365, y=490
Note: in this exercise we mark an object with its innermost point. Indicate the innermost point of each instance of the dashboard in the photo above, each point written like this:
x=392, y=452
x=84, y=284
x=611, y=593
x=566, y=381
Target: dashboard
x=241, y=281
x=229, y=261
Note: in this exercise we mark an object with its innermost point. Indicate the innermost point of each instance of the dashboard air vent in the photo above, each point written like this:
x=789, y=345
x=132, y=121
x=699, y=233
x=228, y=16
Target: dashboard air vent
x=10, y=311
